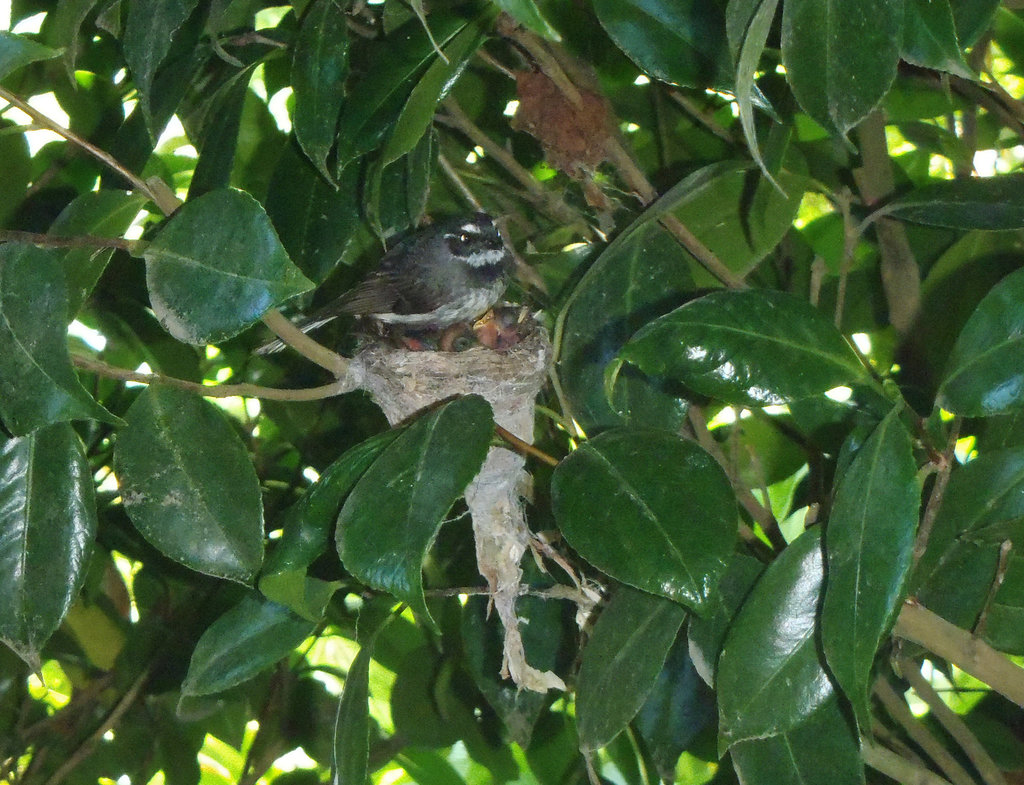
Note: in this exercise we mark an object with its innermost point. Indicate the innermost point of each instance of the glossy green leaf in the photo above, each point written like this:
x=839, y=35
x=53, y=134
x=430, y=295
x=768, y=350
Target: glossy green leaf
x=770, y=678
x=529, y=15
x=244, y=641
x=679, y=41
x=319, y=226
x=966, y=203
x=678, y=707
x=188, y=485
x=869, y=541
x=749, y=347
x=97, y=214
x=396, y=193
x=17, y=51
x=319, y=69
x=37, y=383
x=14, y=152
x=147, y=40
x=985, y=371
x=216, y=267
x=706, y=634
x=929, y=37
x=432, y=87
x=637, y=277
x=650, y=509
x=841, y=57
x=753, y=24
x=822, y=750
x=47, y=526
x=351, y=749
x=67, y=22
x=393, y=513
x=307, y=529
x=621, y=662
x=378, y=99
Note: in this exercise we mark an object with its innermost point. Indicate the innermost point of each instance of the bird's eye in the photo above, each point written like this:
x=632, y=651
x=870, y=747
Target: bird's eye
x=463, y=238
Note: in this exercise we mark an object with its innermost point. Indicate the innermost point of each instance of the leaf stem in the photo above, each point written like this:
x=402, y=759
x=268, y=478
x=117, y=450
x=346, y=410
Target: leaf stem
x=524, y=448
x=931, y=511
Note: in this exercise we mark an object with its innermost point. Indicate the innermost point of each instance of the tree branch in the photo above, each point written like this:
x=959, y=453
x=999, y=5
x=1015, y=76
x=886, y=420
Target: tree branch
x=918, y=624
x=244, y=390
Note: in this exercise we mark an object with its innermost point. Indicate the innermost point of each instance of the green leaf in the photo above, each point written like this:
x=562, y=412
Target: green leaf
x=379, y=98
x=841, y=57
x=819, y=751
x=244, y=641
x=97, y=214
x=678, y=707
x=749, y=347
x=188, y=485
x=17, y=51
x=679, y=41
x=319, y=69
x=216, y=267
x=434, y=85
x=307, y=529
x=14, y=152
x=351, y=749
x=393, y=513
x=750, y=40
x=985, y=372
x=929, y=37
x=621, y=661
x=636, y=277
x=37, y=383
x=48, y=522
x=67, y=22
x=147, y=40
x=320, y=227
x=770, y=678
x=528, y=15
x=650, y=509
x=706, y=634
x=966, y=203
x=869, y=541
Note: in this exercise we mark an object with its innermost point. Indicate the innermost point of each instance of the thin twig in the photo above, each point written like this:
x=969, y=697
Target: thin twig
x=113, y=718
x=900, y=712
x=953, y=723
x=244, y=390
x=759, y=512
x=100, y=155
x=525, y=448
x=458, y=182
x=924, y=530
x=993, y=589
x=304, y=345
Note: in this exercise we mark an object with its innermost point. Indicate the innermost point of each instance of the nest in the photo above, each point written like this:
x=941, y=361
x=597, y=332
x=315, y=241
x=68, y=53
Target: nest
x=403, y=382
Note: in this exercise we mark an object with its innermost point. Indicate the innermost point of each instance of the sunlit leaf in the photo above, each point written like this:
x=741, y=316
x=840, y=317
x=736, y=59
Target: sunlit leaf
x=393, y=513
x=869, y=541
x=47, y=526
x=650, y=509
x=750, y=347
x=770, y=678
x=216, y=267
